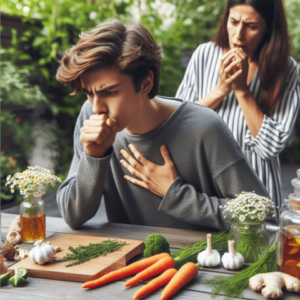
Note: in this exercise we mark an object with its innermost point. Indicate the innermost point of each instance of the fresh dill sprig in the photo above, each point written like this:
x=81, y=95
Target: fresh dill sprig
x=233, y=286
x=85, y=253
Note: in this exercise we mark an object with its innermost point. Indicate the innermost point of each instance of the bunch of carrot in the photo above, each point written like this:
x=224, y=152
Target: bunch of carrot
x=162, y=264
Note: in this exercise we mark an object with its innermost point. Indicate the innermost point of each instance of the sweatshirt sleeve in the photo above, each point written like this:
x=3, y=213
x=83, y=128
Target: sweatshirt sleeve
x=277, y=127
x=79, y=196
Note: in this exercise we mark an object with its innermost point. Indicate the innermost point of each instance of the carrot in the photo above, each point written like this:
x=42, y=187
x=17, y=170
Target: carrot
x=160, y=266
x=185, y=274
x=156, y=283
x=133, y=268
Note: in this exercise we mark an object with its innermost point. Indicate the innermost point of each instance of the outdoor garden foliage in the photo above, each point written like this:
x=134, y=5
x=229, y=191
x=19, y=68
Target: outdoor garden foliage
x=179, y=25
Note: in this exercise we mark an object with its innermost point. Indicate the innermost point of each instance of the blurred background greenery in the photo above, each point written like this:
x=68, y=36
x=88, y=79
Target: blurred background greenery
x=38, y=114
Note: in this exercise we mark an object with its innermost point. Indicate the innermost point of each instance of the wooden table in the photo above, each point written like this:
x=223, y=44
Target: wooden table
x=39, y=288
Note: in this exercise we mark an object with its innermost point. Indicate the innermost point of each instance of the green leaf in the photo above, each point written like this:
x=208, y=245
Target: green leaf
x=24, y=57
x=45, y=73
x=42, y=61
x=5, y=196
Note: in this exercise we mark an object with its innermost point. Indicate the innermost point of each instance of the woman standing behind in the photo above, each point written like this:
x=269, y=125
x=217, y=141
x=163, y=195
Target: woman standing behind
x=247, y=76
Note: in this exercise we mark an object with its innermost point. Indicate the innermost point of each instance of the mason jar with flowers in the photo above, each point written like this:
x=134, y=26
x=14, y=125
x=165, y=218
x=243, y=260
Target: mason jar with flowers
x=247, y=214
x=32, y=183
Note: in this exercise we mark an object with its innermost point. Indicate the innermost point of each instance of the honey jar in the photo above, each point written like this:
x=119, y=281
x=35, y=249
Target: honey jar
x=288, y=247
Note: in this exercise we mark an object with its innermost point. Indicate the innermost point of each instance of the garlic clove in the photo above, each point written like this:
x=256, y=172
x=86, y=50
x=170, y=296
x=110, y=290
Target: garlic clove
x=23, y=253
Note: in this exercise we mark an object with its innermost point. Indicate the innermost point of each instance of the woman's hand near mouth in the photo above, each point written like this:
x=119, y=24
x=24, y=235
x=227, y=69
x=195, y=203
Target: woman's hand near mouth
x=240, y=62
x=227, y=72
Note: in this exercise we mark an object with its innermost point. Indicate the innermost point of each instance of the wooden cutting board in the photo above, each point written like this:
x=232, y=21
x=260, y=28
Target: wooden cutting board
x=86, y=271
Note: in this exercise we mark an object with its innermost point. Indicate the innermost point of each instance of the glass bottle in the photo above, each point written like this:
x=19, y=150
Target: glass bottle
x=288, y=247
x=32, y=220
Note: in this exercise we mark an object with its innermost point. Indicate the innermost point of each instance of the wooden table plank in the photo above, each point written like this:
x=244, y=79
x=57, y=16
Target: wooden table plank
x=176, y=237
x=54, y=289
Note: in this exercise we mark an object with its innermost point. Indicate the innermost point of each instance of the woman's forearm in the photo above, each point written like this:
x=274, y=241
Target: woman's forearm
x=212, y=99
x=252, y=113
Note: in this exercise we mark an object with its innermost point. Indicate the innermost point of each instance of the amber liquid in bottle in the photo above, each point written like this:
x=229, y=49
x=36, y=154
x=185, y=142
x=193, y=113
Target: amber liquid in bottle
x=291, y=254
x=33, y=228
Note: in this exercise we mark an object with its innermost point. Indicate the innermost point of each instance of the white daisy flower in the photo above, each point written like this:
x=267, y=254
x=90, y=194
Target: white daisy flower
x=242, y=218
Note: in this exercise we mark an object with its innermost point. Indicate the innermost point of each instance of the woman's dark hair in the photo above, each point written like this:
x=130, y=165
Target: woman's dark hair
x=130, y=49
x=272, y=54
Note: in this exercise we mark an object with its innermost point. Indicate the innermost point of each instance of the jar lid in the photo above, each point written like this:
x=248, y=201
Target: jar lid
x=296, y=182
x=294, y=201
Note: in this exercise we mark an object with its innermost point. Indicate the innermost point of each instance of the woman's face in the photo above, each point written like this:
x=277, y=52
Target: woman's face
x=246, y=28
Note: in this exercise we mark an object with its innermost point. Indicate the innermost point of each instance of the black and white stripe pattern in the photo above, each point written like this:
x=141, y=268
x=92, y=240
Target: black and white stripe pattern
x=262, y=151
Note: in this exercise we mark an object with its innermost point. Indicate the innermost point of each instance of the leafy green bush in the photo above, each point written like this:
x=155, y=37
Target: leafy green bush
x=178, y=25
x=15, y=91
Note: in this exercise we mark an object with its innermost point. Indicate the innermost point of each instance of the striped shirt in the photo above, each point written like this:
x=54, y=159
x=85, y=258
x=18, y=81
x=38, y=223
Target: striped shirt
x=202, y=75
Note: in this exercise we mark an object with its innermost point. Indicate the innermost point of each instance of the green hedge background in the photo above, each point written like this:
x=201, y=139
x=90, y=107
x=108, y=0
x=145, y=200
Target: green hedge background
x=29, y=64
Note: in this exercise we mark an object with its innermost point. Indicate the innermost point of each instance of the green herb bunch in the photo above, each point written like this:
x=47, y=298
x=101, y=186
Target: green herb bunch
x=233, y=286
x=85, y=253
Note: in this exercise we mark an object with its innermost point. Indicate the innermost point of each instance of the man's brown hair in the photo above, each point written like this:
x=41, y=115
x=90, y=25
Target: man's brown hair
x=130, y=49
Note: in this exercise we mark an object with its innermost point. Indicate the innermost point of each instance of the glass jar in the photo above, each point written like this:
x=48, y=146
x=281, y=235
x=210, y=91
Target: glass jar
x=32, y=220
x=288, y=245
x=250, y=239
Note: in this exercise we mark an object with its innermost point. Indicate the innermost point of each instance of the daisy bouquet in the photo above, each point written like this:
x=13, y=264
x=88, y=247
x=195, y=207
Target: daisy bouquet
x=32, y=183
x=247, y=214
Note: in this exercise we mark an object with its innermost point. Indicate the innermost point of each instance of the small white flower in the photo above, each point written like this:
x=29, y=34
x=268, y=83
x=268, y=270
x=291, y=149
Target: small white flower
x=261, y=217
x=260, y=207
x=242, y=218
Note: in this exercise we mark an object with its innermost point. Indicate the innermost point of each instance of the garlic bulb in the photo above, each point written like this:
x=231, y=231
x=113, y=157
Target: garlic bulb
x=232, y=260
x=209, y=257
x=41, y=253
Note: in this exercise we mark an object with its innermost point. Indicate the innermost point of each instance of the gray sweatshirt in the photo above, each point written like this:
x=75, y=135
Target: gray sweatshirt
x=211, y=170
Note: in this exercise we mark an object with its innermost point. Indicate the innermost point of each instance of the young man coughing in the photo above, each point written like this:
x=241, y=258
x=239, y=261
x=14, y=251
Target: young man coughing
x=157, y=161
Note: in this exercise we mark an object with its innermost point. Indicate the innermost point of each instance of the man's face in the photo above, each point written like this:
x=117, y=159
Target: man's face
x=113, y=94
